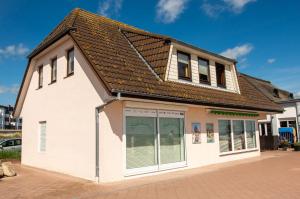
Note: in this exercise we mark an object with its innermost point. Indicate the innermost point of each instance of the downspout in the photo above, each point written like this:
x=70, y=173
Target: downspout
x=297, y=122
x=98, y=110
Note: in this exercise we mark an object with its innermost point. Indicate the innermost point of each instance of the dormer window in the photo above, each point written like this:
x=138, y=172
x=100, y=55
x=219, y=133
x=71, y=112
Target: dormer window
x=184, y=66
x=276, y=93
x=220, y=73
x=203, y=66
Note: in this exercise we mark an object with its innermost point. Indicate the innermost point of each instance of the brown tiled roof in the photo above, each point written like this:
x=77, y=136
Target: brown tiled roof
x=268, y=89
x=123, y=56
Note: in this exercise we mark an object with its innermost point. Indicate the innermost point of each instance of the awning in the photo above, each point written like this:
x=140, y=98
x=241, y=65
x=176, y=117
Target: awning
x=234, y=113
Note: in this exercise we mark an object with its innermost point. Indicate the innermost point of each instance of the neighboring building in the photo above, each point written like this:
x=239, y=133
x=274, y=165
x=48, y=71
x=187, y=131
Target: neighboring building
x=105, y=101
x=7, y=121
x=291, y=114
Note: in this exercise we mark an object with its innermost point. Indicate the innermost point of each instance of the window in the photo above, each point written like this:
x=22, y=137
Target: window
x=251, y=137
x=18, y=142
x=53, y=70
x=283, y=124
x=225, y=135
x=184, y=67
x=203, y=66
x=236, y=135
x=70, y=62
x=40, y=71
x=220, y=73
x=154, y=140
x=42, y=137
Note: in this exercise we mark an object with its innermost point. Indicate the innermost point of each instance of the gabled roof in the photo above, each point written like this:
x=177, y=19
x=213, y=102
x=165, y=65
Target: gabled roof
x=269, y=90
x=133, y=62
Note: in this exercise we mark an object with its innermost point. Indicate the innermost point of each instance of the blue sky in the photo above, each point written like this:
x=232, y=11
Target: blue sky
x=263, y=35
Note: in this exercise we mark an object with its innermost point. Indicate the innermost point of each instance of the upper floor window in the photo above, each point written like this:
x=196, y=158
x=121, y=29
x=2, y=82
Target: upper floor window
x=203, y=66
x=40, y=71
x=184, y=66
x=220, y=73
x=70, y=62
x=53, y=70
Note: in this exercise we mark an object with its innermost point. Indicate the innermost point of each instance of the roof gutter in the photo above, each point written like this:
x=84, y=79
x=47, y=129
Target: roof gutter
x=193, y=102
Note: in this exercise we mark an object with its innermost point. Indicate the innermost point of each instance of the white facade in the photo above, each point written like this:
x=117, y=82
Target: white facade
x=289, y=115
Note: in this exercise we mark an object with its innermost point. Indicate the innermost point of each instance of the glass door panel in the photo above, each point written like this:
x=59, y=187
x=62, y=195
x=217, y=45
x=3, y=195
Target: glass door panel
x=238, y=134
x=140, y=142
x=171, y=132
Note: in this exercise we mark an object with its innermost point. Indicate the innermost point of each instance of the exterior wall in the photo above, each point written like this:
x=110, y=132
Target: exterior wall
x=68, y=107
x=290, y=113
x=231, y=83
x=113, y=149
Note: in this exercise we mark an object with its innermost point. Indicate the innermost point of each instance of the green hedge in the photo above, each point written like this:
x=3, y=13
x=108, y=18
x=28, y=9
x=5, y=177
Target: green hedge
x=10, y=154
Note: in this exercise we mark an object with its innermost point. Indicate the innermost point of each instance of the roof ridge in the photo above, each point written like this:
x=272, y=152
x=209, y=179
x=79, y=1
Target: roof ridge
x=115, y=22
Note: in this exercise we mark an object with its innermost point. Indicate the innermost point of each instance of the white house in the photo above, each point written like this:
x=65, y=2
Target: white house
x=288, y=118
x=105, y=101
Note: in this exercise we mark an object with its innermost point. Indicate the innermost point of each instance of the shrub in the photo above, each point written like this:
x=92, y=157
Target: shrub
x=10, y=155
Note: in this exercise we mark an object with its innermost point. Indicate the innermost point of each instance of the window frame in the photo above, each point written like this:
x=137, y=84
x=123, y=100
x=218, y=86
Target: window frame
x=157, y=114
x=70, y=73
x=189, y=67
x=221, y=85
x=208, y=72
x=233, y=151
x=52, y=68
x=40, y=76
x=39, y=136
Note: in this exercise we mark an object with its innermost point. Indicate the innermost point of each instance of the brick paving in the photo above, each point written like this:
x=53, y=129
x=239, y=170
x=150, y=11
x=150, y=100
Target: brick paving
x=271, y=176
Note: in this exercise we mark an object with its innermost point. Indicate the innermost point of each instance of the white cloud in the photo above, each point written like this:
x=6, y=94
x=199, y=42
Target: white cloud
x=110, y=8
x=237, y=5
x=13, y=89
x=271, y=60
x=214, y=9
x=168, y=10
x=238, y=51
x=14, y=50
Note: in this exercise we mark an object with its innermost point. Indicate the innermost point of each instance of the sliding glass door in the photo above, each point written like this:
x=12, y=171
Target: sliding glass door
x=140, y=142
x=154, y=140
x=171, y=140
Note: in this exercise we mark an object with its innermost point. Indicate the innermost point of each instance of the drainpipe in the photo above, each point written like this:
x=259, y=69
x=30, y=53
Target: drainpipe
x=297, y=121
x=99, y=109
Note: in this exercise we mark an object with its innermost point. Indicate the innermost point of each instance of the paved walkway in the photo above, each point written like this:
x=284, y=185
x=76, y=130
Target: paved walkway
x=271, y=176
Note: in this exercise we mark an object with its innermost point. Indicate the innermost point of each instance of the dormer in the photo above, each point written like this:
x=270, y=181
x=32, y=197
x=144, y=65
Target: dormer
x=190, y=65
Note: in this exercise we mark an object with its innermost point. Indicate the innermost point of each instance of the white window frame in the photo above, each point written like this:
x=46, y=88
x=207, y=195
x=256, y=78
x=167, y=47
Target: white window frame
x=233, y=151
x=39, y=137
x=156, y=113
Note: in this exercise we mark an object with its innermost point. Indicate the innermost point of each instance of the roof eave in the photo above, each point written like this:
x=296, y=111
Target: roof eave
x=186, y=101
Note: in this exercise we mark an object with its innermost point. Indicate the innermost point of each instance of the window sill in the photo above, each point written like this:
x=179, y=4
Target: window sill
x=69, y=75
x=185, y=79
x=205, y=82
x=38, y=88
x=52, y=82
x=238, y=152
x=221, y=86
